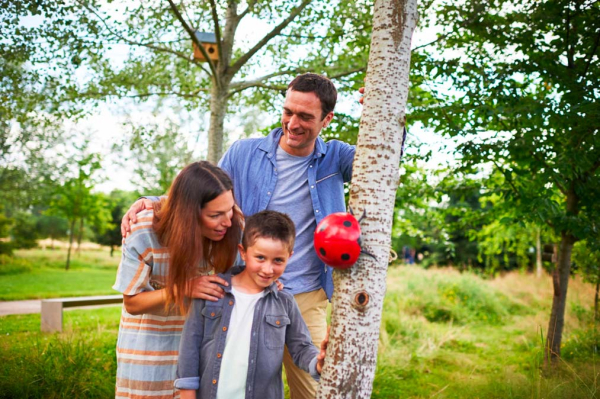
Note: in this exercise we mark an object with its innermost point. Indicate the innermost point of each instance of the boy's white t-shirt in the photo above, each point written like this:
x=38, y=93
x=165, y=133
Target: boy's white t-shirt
x=234, y=366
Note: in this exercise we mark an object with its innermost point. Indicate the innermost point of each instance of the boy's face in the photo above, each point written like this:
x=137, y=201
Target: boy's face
x=265, y=262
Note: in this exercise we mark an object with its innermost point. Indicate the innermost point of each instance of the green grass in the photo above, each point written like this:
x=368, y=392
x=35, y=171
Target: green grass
x=36, y=274
x=443, y=335
x=447, y=335
x=80, y=363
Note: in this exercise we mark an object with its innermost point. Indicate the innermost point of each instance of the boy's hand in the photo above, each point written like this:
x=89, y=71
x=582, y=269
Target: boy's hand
x=205, y=287
x=361, y=91
x=321, y=355
x=131, y=215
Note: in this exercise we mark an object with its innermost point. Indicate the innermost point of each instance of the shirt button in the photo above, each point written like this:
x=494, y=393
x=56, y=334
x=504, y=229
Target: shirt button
x=269, y=193
x=224, y=328
x=278, y=322
x=230, y=303
x=310, y=166
x=212, y=314
x=219, y=355
x=312, y=186
x=317, y=211
x=214, y=382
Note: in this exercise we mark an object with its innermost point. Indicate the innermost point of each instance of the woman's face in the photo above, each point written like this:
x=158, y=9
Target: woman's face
x=216, y=216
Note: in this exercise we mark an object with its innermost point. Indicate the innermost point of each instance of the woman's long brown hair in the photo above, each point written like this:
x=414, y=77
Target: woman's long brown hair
x=178, y=227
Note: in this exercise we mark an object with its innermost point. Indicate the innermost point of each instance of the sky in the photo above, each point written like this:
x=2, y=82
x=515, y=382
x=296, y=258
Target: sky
x=108, y=124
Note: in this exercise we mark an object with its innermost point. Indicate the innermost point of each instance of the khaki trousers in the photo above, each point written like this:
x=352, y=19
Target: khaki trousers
x=313, y=307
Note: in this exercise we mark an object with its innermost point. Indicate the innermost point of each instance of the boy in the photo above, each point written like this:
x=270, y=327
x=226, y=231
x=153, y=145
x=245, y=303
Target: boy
x=233, y=348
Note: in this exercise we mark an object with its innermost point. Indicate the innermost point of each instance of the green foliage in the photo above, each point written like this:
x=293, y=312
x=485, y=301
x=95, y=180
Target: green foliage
x=119, y=202
x=52, y=226
x=157, y=155
x=24, y=232
x=586, y=260
x=10, y=265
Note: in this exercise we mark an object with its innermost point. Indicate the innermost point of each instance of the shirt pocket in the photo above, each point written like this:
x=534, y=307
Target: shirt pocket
x=212, y=319
x=275, y=327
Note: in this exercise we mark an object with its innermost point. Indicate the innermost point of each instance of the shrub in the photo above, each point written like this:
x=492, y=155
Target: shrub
x=10, y=265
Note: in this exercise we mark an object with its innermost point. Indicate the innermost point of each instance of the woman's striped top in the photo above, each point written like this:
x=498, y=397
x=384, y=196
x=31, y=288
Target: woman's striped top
x=148, y=345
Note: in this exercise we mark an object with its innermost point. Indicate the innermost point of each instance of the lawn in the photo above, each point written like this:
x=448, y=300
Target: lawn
x=443, y=335
x=35, y=274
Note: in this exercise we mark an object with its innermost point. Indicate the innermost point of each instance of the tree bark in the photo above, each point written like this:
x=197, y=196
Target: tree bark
x=538, y=253
x=596, y=300
x=79, y=236
x=560, y=278
x=358, y=297
x=218, y=110
x=71, y=235
x=559, y=301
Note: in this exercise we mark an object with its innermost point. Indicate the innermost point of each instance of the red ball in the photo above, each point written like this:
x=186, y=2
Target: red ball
x=336, y=240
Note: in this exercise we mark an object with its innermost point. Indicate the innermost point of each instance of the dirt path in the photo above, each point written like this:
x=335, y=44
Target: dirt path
x=20, y=307
x=33, y=306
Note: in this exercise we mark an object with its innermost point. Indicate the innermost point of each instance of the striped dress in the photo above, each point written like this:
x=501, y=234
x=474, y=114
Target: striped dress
x=148, y=345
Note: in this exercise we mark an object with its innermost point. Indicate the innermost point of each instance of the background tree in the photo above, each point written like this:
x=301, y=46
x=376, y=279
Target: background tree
x=296, y=36
x=358, y=297
x=157, y=154
x=118, y=203
x=524, y=101
x=73, y=198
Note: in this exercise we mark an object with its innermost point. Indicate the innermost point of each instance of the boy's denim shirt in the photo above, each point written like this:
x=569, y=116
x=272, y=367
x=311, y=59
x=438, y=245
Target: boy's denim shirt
x=277, y=322
x=252, y=165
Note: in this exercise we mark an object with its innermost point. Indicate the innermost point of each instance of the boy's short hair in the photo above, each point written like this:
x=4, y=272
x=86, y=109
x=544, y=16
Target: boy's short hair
x=269, y=224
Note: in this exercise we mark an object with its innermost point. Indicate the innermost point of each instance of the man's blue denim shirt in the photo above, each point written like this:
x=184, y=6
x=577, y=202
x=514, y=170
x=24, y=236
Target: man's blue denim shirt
x=252, y=165
x=277, y=322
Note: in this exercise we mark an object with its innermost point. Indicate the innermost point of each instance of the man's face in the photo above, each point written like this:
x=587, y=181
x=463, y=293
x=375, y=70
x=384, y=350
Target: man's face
x=301, y=122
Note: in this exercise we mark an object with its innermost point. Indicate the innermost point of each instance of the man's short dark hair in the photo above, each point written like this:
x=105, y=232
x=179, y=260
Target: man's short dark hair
x=269, y=224
x=321, y=86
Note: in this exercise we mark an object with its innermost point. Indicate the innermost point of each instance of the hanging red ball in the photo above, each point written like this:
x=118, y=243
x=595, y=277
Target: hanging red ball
x=336, y=240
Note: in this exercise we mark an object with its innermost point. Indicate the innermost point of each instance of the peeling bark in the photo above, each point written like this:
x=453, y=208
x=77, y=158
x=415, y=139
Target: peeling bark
x=358, y=297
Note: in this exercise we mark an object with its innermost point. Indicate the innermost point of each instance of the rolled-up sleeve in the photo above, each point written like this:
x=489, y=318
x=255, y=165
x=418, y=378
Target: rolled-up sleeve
x=188, y=366
x=298, y=341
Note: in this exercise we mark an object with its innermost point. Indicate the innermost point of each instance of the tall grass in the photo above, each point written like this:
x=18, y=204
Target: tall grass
x=80, y=363
x=451, y=335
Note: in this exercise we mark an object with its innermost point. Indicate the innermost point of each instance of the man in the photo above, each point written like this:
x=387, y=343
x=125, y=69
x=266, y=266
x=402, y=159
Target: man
x=293, y=171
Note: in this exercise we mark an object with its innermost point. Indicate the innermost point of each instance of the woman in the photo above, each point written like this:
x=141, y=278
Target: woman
x=165, y=260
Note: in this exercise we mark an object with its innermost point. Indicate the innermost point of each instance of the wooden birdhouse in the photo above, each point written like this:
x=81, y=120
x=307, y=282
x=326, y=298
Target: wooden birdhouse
x=209, y=42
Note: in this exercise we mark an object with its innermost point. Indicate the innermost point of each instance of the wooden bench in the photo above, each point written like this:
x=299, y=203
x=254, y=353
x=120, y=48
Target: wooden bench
x=52, y=309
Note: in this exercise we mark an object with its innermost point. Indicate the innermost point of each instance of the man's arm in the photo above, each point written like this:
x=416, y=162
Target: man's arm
x=131, y=215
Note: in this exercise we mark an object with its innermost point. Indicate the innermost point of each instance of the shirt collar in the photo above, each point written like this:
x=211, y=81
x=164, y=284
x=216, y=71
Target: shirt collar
x=238, y=269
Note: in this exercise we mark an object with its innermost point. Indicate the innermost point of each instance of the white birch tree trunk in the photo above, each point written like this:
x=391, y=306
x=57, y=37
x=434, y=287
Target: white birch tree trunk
x=358, y=297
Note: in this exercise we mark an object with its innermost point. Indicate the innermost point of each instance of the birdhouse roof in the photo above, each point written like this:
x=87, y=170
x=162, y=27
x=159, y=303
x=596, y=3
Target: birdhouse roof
x=206, y=37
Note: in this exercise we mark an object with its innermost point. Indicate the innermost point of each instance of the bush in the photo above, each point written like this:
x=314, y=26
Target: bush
x=57, y=367
x=10, y=265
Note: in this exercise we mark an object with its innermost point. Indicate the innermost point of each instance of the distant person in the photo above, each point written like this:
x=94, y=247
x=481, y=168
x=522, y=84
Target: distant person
x=233, y=348
x=166, y=259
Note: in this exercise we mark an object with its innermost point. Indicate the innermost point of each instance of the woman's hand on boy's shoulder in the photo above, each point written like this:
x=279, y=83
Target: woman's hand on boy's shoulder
x=206, y=287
